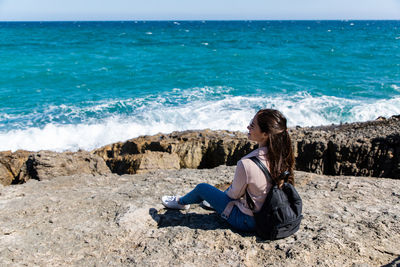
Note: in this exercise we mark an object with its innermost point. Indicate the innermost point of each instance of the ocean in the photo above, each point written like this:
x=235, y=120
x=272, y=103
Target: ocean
x=82, y=85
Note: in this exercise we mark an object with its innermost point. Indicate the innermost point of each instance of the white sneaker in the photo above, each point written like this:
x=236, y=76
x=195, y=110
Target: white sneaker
x=206, y=205
x=171, y=202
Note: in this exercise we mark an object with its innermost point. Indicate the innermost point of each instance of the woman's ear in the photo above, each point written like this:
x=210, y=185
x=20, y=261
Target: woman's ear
x=265, y=137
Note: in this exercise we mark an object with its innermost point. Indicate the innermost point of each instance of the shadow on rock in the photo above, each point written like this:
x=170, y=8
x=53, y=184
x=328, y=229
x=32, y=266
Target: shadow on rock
x=192, y=220
x=395, y=263
x=211, y=221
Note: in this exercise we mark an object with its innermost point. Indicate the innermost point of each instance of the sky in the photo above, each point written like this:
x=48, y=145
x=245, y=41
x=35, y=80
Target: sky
x=61, y=10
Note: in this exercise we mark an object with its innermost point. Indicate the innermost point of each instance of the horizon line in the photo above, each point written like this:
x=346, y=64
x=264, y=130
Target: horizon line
x=196, y=20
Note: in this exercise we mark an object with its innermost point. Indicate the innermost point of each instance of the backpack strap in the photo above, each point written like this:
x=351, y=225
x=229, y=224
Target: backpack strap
x=284, y=175
x=258, y=162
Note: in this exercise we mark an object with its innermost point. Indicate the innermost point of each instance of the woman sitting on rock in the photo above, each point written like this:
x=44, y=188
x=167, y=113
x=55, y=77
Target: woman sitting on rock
x=268, y=129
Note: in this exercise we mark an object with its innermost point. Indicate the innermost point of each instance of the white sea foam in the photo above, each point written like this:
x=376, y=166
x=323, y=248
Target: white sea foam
x=370, y=111
x=395, y=87
x=195, y=108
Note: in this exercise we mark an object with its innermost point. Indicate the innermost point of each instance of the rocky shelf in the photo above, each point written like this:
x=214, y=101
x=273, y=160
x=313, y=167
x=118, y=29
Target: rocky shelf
x=118, y=220
x=360, y=149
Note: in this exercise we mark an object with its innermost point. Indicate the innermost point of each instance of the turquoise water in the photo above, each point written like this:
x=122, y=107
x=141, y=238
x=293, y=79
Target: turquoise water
x=71, y=85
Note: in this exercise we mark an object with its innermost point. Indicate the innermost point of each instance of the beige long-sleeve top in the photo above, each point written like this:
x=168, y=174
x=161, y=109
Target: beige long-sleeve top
x=248, y=176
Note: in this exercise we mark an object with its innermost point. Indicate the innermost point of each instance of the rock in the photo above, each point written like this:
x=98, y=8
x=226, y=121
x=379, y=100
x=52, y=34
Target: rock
x=195, y=149
x=12, y=169
x=148, y=161
x=45, y=165
x=6, y=177
x=362, y=149
x=118, y=220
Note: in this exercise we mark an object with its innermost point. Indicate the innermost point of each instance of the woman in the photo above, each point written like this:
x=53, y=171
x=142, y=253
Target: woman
x=268, y=128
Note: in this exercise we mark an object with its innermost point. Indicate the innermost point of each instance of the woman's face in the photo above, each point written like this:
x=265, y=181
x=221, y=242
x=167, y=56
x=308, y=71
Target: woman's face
x=255, y=133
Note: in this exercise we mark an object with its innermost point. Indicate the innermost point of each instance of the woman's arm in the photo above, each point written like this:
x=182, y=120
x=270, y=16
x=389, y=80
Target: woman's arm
x=239, y=184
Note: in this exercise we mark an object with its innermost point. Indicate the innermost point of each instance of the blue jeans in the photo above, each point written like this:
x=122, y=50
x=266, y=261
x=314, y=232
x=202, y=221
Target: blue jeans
x=218, y=200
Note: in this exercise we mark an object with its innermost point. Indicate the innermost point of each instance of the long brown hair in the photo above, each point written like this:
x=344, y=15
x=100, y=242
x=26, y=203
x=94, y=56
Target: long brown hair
x=279, y=145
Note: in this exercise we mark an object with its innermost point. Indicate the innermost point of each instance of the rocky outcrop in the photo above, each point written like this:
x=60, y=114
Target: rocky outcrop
x=144, y=162
x=192, y=149
x=45, y=165
x=20, y=166
x=361, y=149
x=13, y=167
x=118, y=220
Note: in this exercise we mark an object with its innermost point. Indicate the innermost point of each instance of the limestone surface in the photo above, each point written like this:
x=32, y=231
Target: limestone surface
x=113, y=220
x=45, y=165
